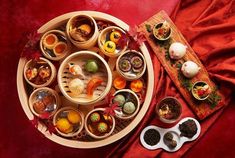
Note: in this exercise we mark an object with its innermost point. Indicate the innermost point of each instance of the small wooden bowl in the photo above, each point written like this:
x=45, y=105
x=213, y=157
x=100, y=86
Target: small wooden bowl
x=74, y=133
x=49, y=81
x=173, y=101
x=49, y=53
x=130, y=75
x=121, y=114
x=93, y=135
x=95, y=32
x=103, y=38
x=155, y=29
x=195, y=95
x=80, y=58
x=32, y=100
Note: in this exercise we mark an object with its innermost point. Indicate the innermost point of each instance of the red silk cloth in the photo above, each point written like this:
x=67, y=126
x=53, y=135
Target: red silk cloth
x=209, y=27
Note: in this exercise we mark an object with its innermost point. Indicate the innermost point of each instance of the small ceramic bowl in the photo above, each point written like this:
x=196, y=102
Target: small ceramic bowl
x=55, y=45
x=68, y=121
x=128, y=102
x=82, y=31
x=201, y=90
x=44, y=102
x=108, y=41
x=40, y=73
x=99, y=125
x=158, y=30
x=87, y=87
x=131, y=65
x=169, y=110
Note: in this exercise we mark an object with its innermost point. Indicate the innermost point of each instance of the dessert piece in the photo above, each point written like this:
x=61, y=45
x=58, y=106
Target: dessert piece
x=152, y=137
x=91, y=66
x=44, y=73
x=169, y=140
x=73, y=117
x=39, y=107
x=119, y=99
x=190, y=69
x=201, y=90
x=188, y=128
x=60, y=48
x=95, y=117
x=115, y=36
x=76, y=70
x=102, y=127
x=64, y=126
x=124, y=65
x=129, y=107
x=119, y=83
x=137, y=85
x=92, y=85
x=50, y=40
x=177, y=50
x=109, y=46
x=76, y=86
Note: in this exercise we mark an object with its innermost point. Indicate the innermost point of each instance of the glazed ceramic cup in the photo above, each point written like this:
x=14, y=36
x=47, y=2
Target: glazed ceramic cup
x=158, y=25
x=169, y=105
x=49, y=81
x=95, y=32
x=61, y=37
x=65, y=111
x=200, y=83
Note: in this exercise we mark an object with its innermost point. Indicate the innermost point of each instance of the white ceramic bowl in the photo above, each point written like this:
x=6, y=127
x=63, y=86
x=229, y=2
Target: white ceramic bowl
x=49, y=81
x=73, y=133
x=102, y=39
x=59, y=34
x=130, y=75
x=93, y=135
x=92, y=40
x=119, y=113
x=32, y=100
x=65, y=77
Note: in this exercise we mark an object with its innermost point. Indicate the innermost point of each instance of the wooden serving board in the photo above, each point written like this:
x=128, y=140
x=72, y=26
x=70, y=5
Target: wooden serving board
x=201, y=108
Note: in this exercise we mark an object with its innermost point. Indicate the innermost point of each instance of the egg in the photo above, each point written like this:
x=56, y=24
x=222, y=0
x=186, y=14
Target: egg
x=177, y=50
x=190, y=69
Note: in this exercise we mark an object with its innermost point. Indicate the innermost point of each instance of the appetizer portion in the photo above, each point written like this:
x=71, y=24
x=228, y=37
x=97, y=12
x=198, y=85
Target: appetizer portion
x=68, y=121
x=177, y=50
x=190, y=69
x=169, y=110
x=201, y=90
x=188, y=128
x=110, y=41
x=169, y=140
x=131, y=65
x=162, y=31
x=152, y=137
x=98, y=124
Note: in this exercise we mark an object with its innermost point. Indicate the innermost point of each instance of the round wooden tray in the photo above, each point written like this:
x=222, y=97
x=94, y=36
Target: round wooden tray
x=124, y=127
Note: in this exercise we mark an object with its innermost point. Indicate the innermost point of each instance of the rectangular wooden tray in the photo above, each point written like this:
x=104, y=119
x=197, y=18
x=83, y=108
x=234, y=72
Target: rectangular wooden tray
x=201, y=108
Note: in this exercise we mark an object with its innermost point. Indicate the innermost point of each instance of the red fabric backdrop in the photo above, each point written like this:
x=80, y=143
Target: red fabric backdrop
x=208, y=25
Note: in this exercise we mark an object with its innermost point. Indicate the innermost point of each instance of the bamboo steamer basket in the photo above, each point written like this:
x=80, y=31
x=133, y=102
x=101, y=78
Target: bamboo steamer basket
x=123, y=127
